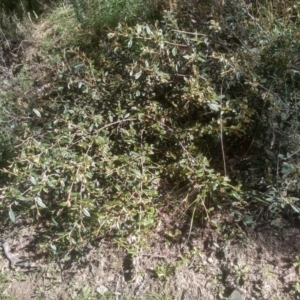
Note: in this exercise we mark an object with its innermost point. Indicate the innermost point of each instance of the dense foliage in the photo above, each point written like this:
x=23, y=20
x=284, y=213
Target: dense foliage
x=199, y=108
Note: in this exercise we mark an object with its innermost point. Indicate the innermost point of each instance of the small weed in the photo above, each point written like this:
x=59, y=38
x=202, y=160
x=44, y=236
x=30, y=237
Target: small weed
x=164, y=271
x=296, y=288
x=86, y=293
x=296, y=262
x=5, y=294
x=269, y=274
x=241, y=274
x=158, y=297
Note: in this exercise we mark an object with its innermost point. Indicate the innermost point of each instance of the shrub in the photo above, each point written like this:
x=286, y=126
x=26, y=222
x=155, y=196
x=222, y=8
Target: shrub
x=103, y=145
x=160, y=107
x=259, y=59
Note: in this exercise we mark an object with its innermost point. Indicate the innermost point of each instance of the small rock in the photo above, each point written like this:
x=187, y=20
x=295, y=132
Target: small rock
x=292, y=276
x=237, y=295
x=210, y=260
x=101, y=289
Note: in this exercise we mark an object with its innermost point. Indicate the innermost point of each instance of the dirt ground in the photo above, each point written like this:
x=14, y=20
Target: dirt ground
x=258, y=264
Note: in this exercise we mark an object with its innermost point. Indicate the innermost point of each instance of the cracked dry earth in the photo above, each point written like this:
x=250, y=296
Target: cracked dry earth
x=257, y=265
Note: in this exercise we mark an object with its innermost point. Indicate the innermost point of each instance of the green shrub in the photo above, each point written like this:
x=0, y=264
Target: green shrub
x=160, y=107
x=103, y=145
x=259, y=60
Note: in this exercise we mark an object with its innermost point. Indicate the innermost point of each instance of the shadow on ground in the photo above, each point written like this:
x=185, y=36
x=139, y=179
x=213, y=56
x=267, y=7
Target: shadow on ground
x=257, y=262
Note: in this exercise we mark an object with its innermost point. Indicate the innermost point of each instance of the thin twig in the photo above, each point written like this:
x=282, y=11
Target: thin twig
x=221, y=135
x=193, y=33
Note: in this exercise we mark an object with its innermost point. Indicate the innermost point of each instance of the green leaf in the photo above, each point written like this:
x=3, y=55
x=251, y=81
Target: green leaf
x=138, y=75
x=37, y=112
x=54, y=221
x=214, y=106
x=139, y=29
x=295, y=208
x=86, y=212
x=137, y=173
x=148, y=29
x=32, y=179
x=12, y=215
x=40, y=202
x=53, y=247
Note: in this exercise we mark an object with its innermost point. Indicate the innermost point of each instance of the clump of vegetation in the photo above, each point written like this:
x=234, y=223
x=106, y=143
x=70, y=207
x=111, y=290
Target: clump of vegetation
x=108, y=139
x=99, y=14
x=196, y=108
x=20, y=7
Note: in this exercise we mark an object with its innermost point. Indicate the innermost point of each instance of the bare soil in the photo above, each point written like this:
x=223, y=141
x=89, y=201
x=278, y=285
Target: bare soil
x=258, y=263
